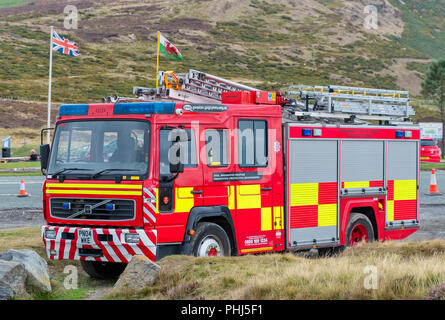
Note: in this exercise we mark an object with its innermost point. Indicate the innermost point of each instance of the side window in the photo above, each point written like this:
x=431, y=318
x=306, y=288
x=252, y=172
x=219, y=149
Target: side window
x=189, y=149
x=217, y=148
x=252, y=143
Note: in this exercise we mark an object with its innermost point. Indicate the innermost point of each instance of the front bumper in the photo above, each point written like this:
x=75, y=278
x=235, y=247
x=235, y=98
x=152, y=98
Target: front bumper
x=105, y=244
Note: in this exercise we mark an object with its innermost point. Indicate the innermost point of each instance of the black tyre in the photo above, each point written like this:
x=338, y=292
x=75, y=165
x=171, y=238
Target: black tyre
x=103, y=270
x=210, y=240
x=359, y=229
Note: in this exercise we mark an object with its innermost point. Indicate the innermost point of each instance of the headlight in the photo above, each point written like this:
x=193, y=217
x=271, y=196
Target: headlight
x=131, y=238
x=50, y=234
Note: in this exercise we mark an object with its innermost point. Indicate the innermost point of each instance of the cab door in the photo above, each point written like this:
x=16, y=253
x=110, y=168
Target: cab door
x=254, y=186
x=177, y=195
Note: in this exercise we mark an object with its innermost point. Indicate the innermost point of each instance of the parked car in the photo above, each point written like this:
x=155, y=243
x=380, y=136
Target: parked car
x=429, y=151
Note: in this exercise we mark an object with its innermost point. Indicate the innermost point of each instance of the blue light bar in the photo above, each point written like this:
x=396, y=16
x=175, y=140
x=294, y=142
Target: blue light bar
x=144, y=108
x=73, y=110
x=306, y=132
x=399, y=134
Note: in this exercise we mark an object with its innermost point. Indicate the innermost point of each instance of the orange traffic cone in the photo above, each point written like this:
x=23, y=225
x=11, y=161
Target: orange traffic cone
x=22, y=192
x=433, y=191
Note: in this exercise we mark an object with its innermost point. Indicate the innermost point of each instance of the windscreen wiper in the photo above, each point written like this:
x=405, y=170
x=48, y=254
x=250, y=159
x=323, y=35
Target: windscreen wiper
x=68, y=169
x=110, y=170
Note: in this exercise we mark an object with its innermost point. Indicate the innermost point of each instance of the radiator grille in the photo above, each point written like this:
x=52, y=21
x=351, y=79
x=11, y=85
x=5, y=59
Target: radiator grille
x=92, y=209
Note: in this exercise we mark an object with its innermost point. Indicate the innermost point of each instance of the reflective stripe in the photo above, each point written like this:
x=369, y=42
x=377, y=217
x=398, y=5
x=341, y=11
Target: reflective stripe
x=104, y=192
x=266, y=219
x=390, y=210
x=327, y=215
x=356, y=184
x=304, y=194
x=184, y=200
x=148, y=213
x=257, y=249
x=405, y=189
x=94, y=185
x=248, y=196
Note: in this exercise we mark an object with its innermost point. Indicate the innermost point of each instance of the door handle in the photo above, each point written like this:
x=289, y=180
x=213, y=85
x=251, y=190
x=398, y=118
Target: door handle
x=196, y=192
x=266, y=189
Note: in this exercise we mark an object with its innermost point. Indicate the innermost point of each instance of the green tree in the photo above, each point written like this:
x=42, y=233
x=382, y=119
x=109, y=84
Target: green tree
x=434, y=87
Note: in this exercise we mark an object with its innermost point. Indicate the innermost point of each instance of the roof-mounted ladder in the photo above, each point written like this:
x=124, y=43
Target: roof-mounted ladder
x=344, y=102
x=193, y=86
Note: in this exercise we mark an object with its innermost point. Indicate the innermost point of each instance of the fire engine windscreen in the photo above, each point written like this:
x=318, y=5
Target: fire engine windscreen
x=100, y=149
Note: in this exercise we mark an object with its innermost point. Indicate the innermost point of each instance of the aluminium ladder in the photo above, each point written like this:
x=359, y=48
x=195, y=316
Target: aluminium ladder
x=344, y=102
x=193, y=86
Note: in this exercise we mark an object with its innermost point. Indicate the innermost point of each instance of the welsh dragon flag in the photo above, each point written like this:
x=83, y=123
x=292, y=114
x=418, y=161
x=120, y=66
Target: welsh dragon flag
x=168, y=49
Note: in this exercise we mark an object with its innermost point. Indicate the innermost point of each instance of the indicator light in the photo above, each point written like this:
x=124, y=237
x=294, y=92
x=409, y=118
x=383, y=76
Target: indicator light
x=306, y=132
x=316, y=132
x=399, y=134
x=166, y=200
x=408, y=134
x=66, y=205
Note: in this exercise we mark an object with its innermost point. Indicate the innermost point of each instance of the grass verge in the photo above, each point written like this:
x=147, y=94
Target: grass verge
x=25, y=164
x=430, y=165
x=403, y=270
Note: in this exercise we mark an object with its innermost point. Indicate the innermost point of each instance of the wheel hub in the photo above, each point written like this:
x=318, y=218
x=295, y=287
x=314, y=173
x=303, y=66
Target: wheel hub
x=358, y=234
x=209, y=247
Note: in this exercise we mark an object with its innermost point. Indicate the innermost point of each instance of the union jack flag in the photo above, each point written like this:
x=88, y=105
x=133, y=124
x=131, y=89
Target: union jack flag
x=65, y=46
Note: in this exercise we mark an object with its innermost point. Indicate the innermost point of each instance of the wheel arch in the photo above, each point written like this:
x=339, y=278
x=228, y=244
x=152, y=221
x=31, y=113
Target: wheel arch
x=370, y=214
x=219, y=215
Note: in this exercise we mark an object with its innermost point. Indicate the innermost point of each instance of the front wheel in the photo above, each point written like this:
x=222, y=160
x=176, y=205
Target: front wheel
x=103, y=270
x=359, y=230
x=210, y=240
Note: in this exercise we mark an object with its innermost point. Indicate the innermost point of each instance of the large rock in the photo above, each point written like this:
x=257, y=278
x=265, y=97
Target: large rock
x=37, y=275
x=12, y=280
x=138, y=274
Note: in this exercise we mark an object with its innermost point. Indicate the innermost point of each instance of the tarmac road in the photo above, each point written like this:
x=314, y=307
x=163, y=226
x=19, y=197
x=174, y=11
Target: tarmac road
x=17, y=212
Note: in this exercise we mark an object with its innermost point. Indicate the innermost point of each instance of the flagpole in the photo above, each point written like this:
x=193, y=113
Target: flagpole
x=49, y=85
x=157, y=64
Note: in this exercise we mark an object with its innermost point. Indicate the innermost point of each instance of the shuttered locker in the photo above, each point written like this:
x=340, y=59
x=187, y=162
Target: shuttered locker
x=362, y=166
x=312, y=192
x=402, y=182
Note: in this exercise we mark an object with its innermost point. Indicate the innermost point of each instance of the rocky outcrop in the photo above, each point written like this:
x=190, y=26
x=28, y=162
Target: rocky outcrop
x=12, y=280
x=22, y=272
x=138, y=274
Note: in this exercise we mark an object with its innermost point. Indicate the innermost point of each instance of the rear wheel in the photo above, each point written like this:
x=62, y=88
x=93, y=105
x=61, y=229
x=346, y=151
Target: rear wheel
x=359, y=229
x=103, y=270
x=210, y=240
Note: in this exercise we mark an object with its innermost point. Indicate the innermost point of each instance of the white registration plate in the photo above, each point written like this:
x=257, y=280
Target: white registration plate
x=85, y=236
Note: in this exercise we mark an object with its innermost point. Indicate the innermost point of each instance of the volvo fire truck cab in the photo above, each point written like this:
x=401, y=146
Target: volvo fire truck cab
x=239, y=177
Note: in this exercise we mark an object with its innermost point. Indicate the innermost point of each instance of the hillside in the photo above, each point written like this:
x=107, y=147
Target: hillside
x=264, y=43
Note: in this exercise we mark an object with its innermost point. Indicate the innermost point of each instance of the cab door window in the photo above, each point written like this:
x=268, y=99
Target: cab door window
x=252, y=143
x=217, y=148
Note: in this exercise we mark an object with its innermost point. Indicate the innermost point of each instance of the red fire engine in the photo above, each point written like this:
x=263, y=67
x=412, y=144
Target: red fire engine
x=255, y=172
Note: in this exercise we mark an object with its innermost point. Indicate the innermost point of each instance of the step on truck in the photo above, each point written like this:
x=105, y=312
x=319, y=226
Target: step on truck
x=250, y=172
